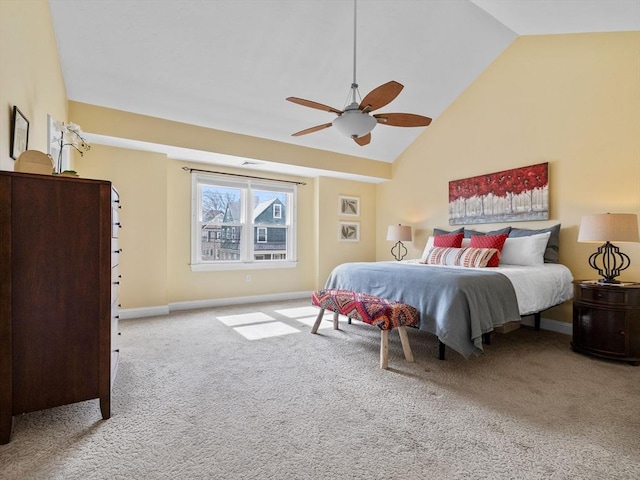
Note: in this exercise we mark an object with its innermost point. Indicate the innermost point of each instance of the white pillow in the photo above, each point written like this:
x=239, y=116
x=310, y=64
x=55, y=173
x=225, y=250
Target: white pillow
x=460, y=257
x=525, y=250
x=427, y=249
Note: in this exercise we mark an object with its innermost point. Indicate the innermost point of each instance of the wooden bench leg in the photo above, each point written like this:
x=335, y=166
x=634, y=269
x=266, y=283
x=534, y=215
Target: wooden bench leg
x=404, y=339
x=335, y=320
x=384, y=349
x=314, y=329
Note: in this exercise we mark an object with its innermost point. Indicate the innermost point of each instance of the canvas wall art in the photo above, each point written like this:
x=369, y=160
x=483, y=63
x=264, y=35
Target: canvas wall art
x=516, y=195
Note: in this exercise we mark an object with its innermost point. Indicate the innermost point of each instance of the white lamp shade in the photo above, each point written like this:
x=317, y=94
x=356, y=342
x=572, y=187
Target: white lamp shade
x=354, y=123
x=399, y=233
x=609, y=227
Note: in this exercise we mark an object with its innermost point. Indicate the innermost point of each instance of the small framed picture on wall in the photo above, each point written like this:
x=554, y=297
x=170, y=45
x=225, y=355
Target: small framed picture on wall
x=349, y=231
x=19, y=133
x=348, y=206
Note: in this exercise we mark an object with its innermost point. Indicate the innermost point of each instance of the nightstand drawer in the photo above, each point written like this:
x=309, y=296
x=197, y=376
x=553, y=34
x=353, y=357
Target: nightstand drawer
x=605, y=296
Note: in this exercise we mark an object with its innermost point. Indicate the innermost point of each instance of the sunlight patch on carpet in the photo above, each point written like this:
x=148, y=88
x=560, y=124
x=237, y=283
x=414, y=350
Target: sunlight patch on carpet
x=245, y=318
x=326, y=323
x=265, y=330
x=298, y=312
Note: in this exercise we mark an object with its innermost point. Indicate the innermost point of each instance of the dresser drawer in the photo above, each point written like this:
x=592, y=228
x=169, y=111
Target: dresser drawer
x=115, y=252
x=115, y=283
x=115, y=222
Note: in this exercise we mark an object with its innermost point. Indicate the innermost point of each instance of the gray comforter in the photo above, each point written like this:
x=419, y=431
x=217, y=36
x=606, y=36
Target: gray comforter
x=457, y=305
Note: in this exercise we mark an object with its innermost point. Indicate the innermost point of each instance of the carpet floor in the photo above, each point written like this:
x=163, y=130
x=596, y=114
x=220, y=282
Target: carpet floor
x=246, y=392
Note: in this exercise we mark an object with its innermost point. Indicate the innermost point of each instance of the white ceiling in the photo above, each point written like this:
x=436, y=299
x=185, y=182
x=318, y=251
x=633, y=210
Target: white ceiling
x=230, y=64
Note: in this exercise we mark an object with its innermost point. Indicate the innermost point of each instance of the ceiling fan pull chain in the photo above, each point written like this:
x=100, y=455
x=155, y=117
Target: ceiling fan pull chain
x=354, y=85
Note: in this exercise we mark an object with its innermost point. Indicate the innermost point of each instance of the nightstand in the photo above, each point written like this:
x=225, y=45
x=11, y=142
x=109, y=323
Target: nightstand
x=606, y=320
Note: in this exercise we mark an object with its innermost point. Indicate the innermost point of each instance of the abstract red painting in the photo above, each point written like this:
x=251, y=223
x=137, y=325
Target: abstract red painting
x=519, y=194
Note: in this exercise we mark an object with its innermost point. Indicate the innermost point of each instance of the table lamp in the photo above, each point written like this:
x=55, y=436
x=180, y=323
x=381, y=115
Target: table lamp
x=608, y=260
x=399, y=233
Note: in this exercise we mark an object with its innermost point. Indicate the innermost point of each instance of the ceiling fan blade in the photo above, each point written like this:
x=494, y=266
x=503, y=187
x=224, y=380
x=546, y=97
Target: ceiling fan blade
x=380, y=96
x=309, y=103
x=362, y=141
x=311, y=130
x=402, y=119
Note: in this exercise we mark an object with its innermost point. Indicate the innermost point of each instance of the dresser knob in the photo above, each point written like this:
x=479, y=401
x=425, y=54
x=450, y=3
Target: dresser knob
x=117, y=316
x=116, y=283
x=622, y=332
x=117, y=350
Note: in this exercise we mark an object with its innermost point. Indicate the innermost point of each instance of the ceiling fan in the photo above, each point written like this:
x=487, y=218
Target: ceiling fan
x=355, y=119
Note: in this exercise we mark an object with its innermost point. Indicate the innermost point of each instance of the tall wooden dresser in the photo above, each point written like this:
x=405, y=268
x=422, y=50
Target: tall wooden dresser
x=58, y=293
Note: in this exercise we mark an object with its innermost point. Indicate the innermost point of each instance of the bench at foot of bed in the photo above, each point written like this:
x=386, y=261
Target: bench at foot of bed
x=383, y=313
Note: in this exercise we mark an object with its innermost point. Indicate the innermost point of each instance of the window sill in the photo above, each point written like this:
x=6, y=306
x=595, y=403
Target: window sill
x=221, y=266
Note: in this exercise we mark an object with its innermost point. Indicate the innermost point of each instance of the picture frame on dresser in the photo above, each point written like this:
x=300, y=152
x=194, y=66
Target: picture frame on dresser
x=19, y=133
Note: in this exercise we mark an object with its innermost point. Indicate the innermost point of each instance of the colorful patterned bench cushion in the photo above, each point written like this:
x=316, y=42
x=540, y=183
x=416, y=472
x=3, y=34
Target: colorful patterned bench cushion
x=384, y=314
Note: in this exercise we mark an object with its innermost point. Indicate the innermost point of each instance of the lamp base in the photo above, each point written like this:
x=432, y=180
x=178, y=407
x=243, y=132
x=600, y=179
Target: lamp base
x=399, y=254
x=609, y=261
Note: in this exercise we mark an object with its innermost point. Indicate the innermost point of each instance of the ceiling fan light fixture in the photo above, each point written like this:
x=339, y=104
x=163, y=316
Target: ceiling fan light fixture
x=354, y=123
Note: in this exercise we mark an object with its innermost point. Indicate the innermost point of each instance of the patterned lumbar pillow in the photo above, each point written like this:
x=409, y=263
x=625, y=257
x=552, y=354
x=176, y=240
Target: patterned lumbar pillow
x=460, y=257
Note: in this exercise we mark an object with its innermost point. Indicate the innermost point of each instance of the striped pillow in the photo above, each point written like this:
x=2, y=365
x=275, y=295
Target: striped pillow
x=460, y=257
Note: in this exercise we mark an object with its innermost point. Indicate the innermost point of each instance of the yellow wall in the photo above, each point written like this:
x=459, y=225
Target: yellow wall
x=332, y=251
x=30, y=73
x=570, y=100
x=141, y=181
x=185, y=285
x=156, y=200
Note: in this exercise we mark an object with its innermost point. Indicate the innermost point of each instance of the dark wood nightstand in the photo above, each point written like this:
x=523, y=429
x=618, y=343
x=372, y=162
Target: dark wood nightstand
x=606, y=320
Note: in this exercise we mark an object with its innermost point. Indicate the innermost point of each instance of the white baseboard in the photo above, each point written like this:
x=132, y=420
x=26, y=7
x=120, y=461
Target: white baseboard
x=143, y=312
x=551, y=325
x=214, y=302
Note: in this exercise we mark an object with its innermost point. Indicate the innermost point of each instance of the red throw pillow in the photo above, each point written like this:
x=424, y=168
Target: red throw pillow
x=453, y=240
x=490, y=241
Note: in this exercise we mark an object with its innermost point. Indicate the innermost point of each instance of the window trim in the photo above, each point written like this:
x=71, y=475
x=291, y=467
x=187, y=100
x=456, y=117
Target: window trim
x=246, y=185
x=258, y=235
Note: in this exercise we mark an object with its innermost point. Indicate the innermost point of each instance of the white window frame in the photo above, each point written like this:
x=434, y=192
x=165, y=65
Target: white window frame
x=247, y=254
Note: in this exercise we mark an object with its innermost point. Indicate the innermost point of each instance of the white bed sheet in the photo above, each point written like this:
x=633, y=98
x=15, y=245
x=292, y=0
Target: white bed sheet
x=539, y=287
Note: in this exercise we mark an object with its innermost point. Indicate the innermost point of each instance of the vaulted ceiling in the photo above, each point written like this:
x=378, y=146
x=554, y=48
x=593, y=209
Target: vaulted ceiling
x=230, y=64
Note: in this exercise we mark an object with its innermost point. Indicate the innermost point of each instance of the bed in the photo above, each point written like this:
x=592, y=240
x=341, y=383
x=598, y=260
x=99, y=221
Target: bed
x=460, y=304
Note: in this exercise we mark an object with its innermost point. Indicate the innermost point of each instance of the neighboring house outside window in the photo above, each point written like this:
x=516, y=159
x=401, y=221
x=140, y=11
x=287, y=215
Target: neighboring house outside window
x=236, y=233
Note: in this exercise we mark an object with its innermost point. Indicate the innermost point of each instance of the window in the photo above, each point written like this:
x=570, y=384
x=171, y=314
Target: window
x=238, y=223
x=262, y=235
